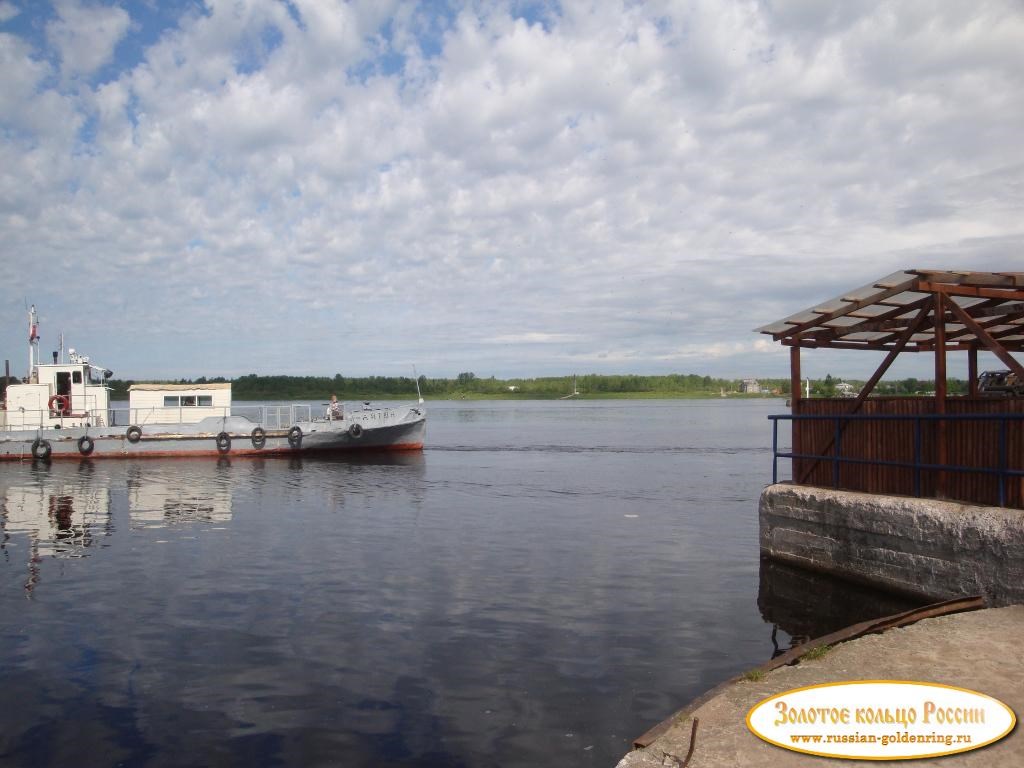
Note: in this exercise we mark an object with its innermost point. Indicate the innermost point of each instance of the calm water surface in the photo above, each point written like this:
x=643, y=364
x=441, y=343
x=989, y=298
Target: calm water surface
x=539, y=587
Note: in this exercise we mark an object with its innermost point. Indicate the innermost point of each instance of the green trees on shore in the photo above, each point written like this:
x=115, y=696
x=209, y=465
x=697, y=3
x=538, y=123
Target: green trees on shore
x=469, y=385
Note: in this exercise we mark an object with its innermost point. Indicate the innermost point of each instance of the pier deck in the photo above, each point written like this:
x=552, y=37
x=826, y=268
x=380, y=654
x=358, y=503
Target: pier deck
x=977, y=650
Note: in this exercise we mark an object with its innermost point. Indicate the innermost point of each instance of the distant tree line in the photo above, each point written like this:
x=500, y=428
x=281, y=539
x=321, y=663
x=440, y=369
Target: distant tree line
x=468, y=385
x=828, y=387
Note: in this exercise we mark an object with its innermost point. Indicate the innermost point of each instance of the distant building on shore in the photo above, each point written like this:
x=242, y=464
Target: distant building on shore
x=750, y=387
x=845, y=390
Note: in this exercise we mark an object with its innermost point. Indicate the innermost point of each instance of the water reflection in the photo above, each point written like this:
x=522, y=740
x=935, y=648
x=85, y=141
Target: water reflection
x=64, y=510
x=806, y=605
x=60, y=516
x=157, y=500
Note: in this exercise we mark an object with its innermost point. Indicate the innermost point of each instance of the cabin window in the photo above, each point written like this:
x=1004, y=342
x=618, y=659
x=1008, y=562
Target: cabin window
x=187, y=401
x=76, y=377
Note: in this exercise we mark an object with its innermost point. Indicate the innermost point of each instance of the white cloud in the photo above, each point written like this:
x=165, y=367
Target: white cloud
x=23, y=77
x=84, y=36
x=533, y=338
x=628, y=186
x=7, y=11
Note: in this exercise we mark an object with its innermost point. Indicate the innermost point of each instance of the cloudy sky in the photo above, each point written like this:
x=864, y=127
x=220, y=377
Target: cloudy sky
x=217, y=187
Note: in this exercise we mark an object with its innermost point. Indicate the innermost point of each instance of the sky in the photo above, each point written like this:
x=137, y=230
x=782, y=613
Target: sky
x=524, y=188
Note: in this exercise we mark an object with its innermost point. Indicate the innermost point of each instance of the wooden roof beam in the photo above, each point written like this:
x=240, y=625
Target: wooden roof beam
x=995, y=307
x=966, y=346
x=991, y=344
x=994, y=311
x=873, y=299
x=989, y=308
x=967, y=290
x=883, y=322
x=920, y=345
x=896, y=334
x=1018, y=329
x=989, y=312
x=809, y=344
x=985, y=323
x=1010, y=279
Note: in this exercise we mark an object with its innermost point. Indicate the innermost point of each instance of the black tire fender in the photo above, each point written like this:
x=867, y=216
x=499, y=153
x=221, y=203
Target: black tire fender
x=133, y=434
x=86, y=445
x=259, y=438
x=41, y=449
x=295, y=437
x=223, y=442
x=356, y=431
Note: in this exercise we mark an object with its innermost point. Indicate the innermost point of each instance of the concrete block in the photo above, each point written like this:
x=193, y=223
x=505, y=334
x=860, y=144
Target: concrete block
x=926, y=548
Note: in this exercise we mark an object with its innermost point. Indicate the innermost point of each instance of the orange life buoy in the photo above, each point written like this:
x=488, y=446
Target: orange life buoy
x=60, y=404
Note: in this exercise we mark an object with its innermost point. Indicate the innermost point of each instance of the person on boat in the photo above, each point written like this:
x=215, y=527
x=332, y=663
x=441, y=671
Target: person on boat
x=334, y=409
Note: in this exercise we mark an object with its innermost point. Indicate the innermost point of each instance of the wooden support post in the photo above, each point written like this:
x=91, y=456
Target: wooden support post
x=940, y=391
x=972, y=369
x=940, y=354
x=794, y=377
x=794, y=406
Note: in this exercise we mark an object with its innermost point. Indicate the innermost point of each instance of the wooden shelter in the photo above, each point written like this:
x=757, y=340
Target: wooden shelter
x=968, y=447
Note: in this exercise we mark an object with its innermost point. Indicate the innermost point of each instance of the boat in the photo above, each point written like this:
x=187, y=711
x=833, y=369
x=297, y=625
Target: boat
x=63, y=410
x=575, y=392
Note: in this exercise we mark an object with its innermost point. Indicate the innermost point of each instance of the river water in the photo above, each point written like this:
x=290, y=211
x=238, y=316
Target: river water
x=541, y=585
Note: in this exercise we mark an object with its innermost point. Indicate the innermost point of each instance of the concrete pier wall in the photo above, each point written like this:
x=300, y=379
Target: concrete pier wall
x=925, y=548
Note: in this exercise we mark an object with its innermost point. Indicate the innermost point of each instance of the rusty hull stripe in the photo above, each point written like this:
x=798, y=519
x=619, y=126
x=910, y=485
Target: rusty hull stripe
x=240, y=453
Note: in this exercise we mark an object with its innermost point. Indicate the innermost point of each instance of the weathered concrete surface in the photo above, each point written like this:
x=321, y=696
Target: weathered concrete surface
x=978, y=650
x=931, y=549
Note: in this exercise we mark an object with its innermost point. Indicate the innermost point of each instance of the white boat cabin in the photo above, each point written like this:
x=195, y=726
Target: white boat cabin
x=178, y=403
x=73, y=394
x=59, y=395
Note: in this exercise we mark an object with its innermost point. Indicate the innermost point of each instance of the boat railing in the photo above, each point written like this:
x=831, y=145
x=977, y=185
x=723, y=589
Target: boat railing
x=126, y=417
x=20, y=419
x=266, y=416
x=274, y=416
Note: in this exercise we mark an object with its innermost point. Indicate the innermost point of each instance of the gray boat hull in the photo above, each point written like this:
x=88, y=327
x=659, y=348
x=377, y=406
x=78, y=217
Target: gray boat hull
x=374, y=429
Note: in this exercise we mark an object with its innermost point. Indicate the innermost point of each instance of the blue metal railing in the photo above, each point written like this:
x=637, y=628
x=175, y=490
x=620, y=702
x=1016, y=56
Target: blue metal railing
x=1001, y=470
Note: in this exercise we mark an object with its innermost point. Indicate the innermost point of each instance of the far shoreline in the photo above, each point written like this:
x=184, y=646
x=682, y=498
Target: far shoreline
x=471, y=396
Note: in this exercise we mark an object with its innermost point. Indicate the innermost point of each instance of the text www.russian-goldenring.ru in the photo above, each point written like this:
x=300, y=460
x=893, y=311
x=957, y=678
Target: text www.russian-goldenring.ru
x=884, y=740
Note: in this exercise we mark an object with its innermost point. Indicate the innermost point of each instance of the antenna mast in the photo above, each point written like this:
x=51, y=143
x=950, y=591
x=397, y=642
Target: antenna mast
x=416, y=376
x=33, y=343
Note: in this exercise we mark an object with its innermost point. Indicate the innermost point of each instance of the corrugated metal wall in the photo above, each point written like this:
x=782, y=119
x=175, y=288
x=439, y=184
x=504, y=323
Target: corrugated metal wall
x=967, y=444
